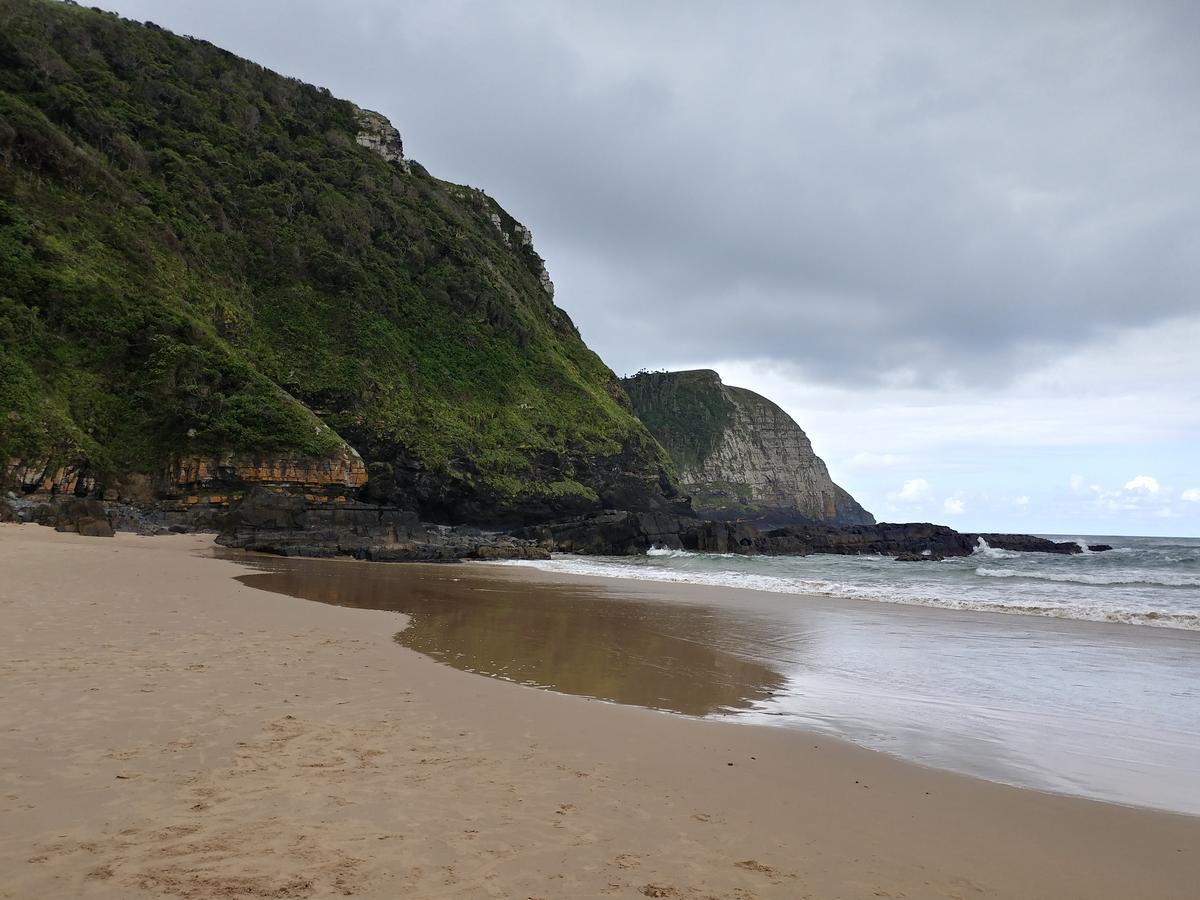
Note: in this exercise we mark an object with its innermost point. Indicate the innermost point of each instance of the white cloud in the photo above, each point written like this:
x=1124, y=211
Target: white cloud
x=1068, y=402
x=1146, y=483
x=869, y=460
x=1191, y=495
x=954, y=506
x=1021, y=501
x=914, y=489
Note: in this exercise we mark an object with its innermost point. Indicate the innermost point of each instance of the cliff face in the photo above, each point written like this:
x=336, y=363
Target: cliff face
x=213, y=276
x=737, y=453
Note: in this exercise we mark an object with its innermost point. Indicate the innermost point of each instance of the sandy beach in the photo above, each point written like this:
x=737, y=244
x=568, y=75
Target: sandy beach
x=168, y=731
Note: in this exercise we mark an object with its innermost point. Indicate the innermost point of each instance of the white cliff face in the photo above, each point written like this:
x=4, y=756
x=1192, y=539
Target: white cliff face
x=767, y=460
x=525, y=236
x=378, y=134
x=753, y=461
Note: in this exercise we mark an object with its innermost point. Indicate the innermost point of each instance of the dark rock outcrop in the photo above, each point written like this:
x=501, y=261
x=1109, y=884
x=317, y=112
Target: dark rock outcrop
x=625, y=533
x=292, y=525
x=85, y=517
x=1027, y=543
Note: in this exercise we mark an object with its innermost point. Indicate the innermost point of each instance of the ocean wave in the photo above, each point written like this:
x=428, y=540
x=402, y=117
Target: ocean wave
x=983, y=548
x=905, y=596
x=668, y=553
x=1124, y=577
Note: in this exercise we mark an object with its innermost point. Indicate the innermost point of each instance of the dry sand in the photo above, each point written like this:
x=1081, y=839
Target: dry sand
x=169, y=732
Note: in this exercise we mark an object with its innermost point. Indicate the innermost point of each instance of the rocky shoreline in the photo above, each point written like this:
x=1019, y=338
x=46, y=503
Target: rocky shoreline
x=285, y=524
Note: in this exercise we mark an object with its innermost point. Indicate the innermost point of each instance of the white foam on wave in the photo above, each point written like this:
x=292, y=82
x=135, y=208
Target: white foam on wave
x=668, y=553
x=1114, y=577
x=899, y=594
x=982, y=548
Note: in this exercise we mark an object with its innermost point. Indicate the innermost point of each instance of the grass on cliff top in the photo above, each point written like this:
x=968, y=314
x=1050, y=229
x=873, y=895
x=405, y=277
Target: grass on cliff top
x=196, y=257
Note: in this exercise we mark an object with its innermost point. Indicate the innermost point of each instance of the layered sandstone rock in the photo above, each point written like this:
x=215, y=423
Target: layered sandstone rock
x=336, y=476
x=202, y=481
x=46, y=477
x=737, y=453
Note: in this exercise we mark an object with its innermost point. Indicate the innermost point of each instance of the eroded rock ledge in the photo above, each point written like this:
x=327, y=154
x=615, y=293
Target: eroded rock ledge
x=293, y=524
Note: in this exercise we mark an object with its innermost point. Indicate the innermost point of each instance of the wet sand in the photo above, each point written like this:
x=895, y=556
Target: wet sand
x=169, y=731
x=574, y=635
x=1088, y=709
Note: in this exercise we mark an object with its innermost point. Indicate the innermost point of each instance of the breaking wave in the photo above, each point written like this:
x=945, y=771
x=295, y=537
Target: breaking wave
x=1117, y=577
x=982, y=548
x=1141, y=582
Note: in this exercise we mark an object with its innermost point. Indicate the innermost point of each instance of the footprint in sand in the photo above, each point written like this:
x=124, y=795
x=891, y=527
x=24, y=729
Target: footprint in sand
x=659, y=890
x=753, y=865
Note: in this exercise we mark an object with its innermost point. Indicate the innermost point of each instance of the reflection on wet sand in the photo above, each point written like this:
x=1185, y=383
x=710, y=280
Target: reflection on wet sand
x=569, y=638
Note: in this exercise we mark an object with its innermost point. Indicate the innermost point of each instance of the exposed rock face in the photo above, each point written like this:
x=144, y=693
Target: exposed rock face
x=525, y=237
x=737, y=453
x=47, y=477
x=339, y=475
x=199, y=481
x=380, y=135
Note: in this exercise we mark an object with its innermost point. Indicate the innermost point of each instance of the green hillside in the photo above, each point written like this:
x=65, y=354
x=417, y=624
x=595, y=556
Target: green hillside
x=197, y=257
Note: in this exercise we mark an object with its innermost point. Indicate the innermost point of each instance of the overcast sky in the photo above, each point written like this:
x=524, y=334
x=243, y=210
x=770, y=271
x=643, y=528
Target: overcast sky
x=960, y=243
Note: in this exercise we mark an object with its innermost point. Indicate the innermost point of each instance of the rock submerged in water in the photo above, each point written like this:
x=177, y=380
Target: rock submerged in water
x=909, y=556
x=623, y=533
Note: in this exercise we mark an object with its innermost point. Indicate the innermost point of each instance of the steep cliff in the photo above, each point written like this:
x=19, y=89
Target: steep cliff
x=737, y=453
x=213, y=276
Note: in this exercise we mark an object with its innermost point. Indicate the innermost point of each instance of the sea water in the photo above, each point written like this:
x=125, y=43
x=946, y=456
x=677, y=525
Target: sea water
x=1142, y=580
x=1078, y=674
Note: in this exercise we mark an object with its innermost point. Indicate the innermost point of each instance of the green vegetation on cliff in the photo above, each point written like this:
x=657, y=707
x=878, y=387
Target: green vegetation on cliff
x=198, y=257
x=687, y=412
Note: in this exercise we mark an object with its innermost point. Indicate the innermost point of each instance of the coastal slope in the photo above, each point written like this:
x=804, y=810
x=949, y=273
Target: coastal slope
x=213, y=275
x=738, y=454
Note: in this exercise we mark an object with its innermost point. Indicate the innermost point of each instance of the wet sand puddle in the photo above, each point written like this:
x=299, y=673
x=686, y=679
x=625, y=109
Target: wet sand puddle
x=574, y=639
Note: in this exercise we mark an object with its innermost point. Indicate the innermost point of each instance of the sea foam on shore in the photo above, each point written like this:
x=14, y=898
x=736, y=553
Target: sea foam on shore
x=1143, y=581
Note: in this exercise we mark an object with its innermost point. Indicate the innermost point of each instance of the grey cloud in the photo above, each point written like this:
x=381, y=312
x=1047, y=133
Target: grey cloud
x=853, y=189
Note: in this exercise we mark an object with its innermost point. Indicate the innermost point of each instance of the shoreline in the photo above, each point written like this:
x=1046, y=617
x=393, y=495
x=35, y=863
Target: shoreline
x=977, y=614
x=202, y=738
x=1146, y=622
x=711, y=638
